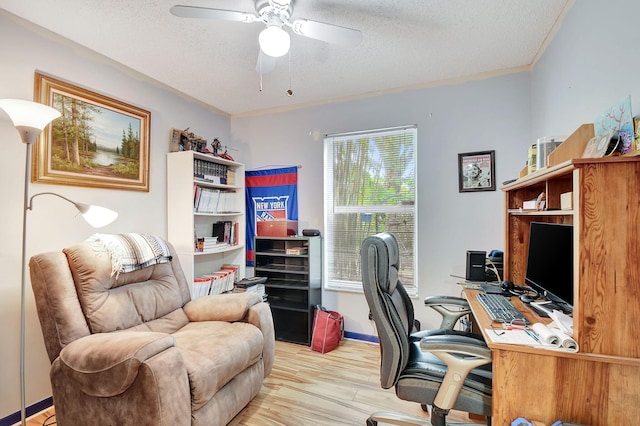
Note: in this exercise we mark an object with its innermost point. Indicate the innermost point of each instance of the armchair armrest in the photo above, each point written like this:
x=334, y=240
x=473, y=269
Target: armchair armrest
x=106, y=364
x=461, y=354
x=221, y=307
x=451, y=308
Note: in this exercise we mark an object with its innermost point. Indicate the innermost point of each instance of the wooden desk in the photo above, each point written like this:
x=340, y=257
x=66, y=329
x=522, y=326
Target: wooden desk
x=546, y=385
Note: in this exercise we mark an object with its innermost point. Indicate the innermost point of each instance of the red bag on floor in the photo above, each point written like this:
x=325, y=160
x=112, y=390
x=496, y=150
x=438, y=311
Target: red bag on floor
x=328, y=329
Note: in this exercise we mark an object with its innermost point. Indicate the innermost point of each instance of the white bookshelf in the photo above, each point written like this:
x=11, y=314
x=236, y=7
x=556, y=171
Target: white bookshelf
x=183, y=220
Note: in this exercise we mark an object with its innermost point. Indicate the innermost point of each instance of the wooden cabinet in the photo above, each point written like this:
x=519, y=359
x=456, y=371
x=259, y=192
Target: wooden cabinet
x=599, y=385
x=293, y=266
x=606, y=221
x=185, y=178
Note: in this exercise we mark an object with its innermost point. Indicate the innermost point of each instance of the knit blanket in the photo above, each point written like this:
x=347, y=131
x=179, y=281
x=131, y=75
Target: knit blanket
x=131, y=251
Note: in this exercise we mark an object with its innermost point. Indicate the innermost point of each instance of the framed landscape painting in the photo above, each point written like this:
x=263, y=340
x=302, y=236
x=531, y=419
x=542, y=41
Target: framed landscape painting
x=97, y=141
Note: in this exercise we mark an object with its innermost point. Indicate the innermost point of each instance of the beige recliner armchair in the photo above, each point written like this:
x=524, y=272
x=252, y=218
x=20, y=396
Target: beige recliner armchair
x=131, y=348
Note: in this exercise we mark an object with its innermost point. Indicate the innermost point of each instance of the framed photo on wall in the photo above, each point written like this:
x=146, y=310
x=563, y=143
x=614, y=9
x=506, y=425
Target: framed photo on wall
x=97, y=141
x=476, y=171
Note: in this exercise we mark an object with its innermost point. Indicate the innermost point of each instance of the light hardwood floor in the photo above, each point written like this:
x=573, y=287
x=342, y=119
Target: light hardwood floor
x=307, y=388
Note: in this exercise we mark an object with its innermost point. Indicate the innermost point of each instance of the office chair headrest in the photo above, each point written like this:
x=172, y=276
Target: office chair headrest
x=388, y=258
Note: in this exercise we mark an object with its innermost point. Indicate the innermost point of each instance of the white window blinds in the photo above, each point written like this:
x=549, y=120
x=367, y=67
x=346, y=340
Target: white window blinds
x=370, y=187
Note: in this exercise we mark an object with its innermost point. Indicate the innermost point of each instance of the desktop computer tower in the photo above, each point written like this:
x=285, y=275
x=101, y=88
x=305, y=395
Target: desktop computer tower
x=482, y=268
x=476, y=261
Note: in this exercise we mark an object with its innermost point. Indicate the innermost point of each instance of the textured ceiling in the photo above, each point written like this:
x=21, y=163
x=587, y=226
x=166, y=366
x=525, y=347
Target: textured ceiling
x=406, y=44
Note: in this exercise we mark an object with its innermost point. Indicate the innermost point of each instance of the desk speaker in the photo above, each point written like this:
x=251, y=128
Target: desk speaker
x=476, y=265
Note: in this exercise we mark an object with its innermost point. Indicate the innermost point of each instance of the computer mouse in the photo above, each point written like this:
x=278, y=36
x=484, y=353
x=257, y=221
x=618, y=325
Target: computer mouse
x=526, y=298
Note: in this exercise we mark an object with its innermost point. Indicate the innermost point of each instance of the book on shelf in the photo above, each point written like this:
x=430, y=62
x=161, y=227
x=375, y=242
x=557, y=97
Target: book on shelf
x=231, y=177
x=226, y=231
x=234, y=268
x=208, y=244
x=206, y=200
x=213, y=200
x=201, y=287
x=257, y=288
x=218, y=282
x=209, y=179
x=224, y=283
x=249, y=282
x=226, y=202
x=209, y=171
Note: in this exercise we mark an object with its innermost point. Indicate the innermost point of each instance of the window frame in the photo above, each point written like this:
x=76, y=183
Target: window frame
x=330, y=283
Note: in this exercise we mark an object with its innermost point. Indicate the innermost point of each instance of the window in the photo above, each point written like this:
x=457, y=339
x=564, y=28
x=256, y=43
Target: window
x=370, y=187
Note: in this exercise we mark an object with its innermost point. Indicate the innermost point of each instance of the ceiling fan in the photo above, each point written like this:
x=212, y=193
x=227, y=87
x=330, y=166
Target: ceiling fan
x=274, y=40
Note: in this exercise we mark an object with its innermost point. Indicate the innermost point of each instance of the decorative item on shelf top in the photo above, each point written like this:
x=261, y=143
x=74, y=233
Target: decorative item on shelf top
x=184, y=140
x=545, y=146
x=619, y=119
x=606, y=144
x=216, y=146
x=532, y=161
x=226, y=155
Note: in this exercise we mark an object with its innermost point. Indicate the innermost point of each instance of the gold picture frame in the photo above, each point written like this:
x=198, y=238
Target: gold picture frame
x=98, y=142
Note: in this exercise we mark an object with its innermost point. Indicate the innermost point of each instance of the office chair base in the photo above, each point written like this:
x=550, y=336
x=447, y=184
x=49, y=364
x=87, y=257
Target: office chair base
x=387, y=417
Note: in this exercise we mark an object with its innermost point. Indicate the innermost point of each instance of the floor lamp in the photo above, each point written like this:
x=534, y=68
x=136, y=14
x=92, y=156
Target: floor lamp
x=30, y=118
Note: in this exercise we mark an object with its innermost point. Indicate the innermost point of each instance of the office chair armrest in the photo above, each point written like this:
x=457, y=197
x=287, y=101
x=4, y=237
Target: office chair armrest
x=461, y=354
x=456, y=343
x=451, y=308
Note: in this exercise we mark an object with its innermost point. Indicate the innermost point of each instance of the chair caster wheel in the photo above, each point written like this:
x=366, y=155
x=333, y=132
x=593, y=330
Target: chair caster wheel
x=371, y=422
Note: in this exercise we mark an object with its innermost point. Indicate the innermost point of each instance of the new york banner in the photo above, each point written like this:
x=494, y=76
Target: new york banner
x=270, y=195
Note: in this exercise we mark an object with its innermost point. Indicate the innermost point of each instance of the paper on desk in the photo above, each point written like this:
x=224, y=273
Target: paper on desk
x=512, y=337
x=547, y=338
x=563, y=321
x=555, y=337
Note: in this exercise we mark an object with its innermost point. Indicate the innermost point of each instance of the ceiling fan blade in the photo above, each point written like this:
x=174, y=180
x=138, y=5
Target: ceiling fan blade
x=209, y=13
x=343, y=36
x=265, y=63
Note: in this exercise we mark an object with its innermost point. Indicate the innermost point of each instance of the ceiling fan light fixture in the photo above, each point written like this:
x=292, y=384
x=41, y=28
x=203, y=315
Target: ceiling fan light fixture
x=274, y=41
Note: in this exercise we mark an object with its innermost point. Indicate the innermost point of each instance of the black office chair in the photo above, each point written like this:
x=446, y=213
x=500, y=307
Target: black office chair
x=444, y=369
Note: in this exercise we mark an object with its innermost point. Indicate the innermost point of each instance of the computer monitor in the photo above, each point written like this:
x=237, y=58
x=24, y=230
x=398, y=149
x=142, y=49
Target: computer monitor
x=550, y=261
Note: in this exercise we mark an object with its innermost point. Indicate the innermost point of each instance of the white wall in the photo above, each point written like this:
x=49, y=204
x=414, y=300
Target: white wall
x=53, y=224
x=491, y=114
x=591, y=65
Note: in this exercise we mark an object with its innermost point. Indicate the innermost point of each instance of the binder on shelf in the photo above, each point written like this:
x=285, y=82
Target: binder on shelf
x=218, y=231
x=226, y=232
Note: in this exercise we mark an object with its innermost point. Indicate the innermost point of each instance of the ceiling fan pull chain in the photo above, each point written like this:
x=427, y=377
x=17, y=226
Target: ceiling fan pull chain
x=290, y=91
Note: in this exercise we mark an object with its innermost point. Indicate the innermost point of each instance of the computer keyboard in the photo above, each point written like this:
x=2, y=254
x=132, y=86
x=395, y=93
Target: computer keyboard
x=499, y=308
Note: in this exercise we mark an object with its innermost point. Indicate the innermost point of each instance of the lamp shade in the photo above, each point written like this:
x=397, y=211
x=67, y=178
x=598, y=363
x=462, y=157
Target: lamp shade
x=27, y=113
x=274, y=41
x=28, y=117
x=96, y=216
